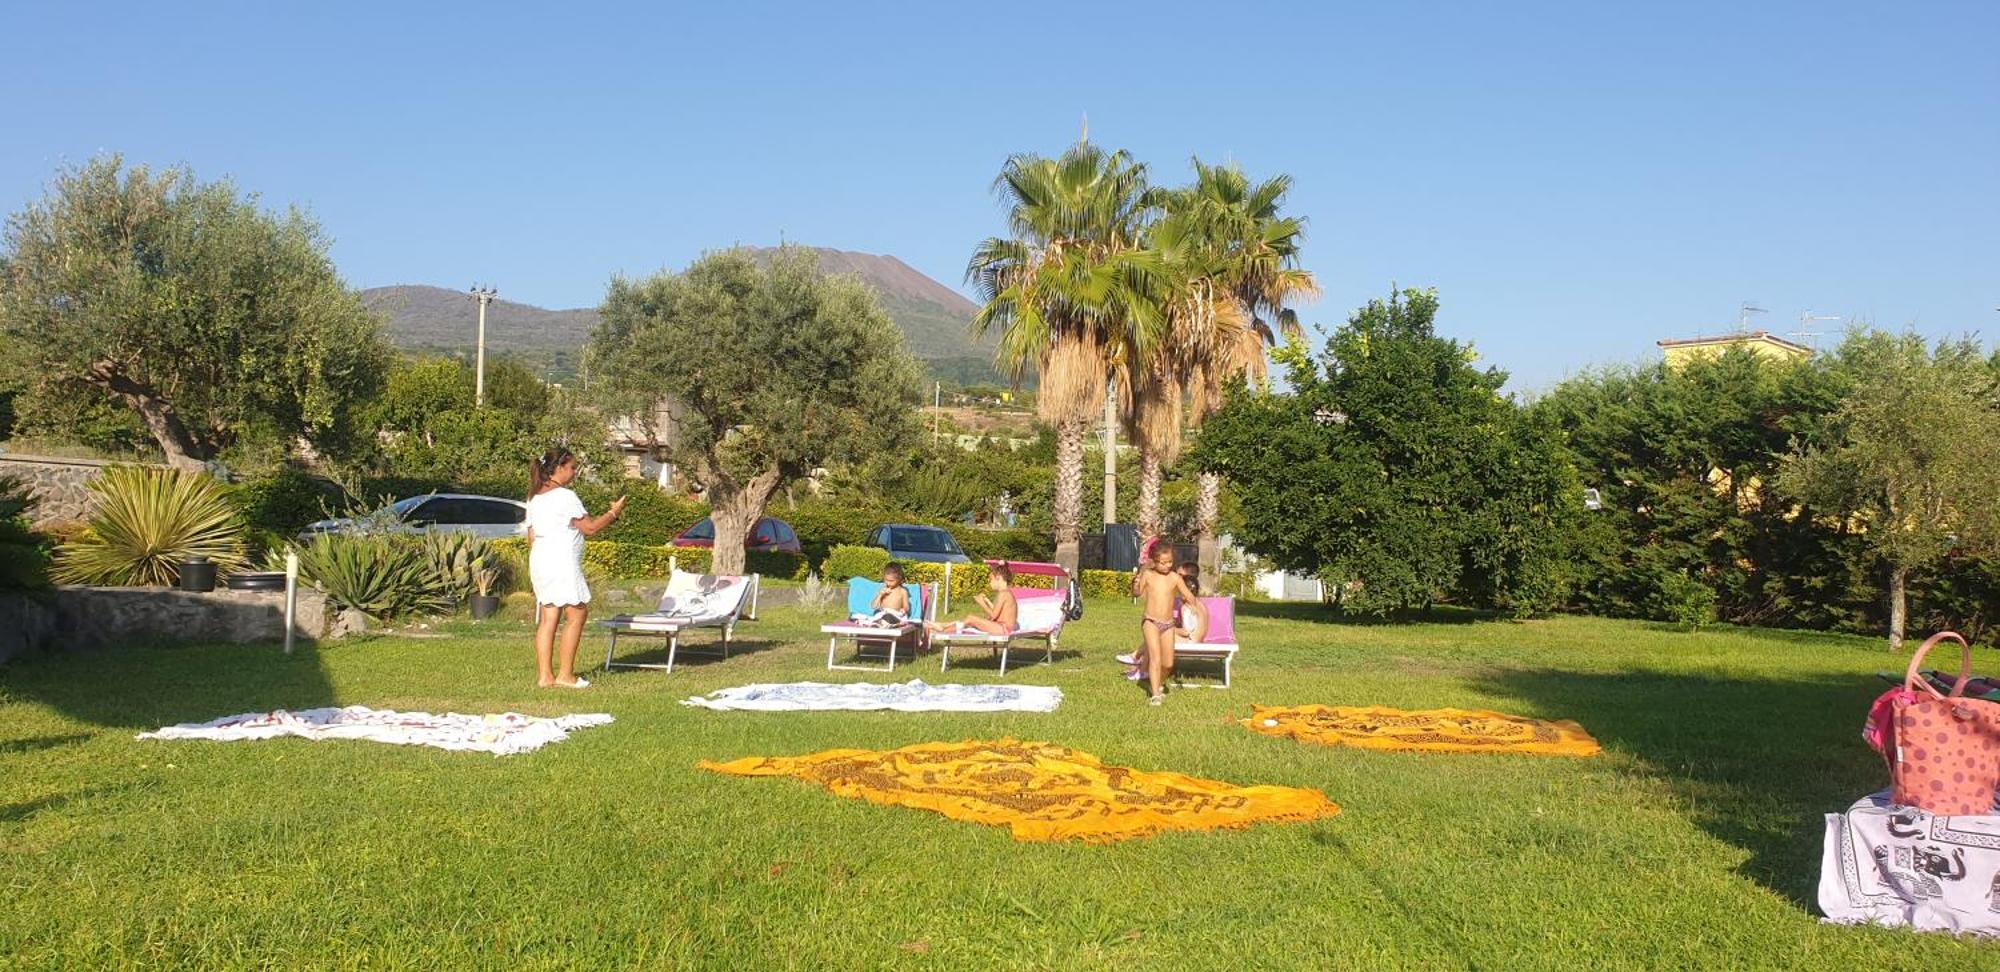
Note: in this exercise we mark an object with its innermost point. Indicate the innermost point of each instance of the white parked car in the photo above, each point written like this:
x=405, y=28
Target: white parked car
x=483, y=516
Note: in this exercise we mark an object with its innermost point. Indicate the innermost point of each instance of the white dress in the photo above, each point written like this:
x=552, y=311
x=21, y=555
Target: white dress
x=555, y=560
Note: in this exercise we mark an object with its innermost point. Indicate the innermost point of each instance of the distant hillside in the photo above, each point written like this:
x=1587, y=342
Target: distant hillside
x=933, y=318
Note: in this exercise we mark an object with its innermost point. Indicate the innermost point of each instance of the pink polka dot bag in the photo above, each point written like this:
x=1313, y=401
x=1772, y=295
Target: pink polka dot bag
x=1945, y=751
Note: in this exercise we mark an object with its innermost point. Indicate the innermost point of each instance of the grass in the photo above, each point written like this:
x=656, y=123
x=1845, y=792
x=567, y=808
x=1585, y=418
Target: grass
x=1693, y=842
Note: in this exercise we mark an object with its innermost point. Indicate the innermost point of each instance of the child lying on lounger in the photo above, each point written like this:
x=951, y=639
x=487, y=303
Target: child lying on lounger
x=1002, y=612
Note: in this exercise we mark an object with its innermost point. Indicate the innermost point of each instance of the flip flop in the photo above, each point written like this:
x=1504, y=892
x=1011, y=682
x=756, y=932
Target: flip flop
x=1128, y=658
x=1135, y=674
x=579, y=683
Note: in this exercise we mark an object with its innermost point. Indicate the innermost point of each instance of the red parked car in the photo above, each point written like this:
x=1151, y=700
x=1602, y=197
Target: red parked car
x=768, y=536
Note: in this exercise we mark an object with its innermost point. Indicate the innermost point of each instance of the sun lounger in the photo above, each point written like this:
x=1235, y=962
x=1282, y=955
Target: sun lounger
x=691, y=601
x=1041, y=620
x=1218, y=643
x=860, y=598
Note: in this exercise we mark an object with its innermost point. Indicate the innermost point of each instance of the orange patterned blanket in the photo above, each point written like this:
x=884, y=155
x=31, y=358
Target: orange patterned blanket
x=1040, y=791
x=1428, y=730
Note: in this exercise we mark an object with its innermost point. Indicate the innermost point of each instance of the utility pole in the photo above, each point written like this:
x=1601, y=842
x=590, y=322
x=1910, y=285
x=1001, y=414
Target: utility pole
x=1111, y=452
x=485, y=296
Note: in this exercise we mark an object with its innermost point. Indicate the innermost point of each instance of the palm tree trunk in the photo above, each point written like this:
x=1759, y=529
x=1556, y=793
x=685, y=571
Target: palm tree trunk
x=1070, y=434
x=1208, y=510
x=1899, y=605
x=1150, y=473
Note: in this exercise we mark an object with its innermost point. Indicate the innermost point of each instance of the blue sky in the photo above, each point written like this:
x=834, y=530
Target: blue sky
x=1578, y=180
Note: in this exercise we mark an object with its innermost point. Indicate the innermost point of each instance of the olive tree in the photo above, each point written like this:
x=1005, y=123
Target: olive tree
x=187, y=304
x=1909, y=457
x=766, y=373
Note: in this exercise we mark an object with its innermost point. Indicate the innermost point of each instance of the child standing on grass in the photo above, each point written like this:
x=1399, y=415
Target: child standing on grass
x=1164, y=595
x=557, y=524
x=1002, y=613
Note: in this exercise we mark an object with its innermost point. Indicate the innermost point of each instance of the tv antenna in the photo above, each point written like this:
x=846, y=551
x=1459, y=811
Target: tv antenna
x=1805, y=333
x=1743, y=314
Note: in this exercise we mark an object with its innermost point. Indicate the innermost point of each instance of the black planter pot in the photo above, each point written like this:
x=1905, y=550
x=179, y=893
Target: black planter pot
x=198, y=575
x=256, y=580
x=484, y=606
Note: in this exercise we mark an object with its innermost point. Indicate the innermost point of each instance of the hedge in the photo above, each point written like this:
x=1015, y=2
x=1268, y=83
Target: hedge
x=619, y=560
x=653, y=516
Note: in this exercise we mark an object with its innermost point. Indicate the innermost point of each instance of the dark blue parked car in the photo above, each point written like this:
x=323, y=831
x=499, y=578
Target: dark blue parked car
x=927, y=544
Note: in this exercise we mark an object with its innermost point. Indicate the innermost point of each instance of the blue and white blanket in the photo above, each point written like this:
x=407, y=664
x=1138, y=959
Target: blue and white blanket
x=911, y=696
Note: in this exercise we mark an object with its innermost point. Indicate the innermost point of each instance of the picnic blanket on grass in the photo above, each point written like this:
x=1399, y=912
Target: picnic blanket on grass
x=502, y=735
x=1898, y=866
x=1426, y=730
x=911, y=696
x=1040, y=791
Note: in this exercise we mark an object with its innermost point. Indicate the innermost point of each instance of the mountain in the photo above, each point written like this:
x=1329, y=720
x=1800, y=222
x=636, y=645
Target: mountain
x=932, y=316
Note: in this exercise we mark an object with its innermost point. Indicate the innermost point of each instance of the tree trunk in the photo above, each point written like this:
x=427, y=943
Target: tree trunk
x=1149, y=493
x=734, y=510
x=1899, y=605
x=180, y=447
x=1208, y=510
x=1070, y=433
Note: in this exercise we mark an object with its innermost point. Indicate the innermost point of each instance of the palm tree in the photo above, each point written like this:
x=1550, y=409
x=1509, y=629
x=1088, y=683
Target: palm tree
x=1071, y=292
x=1237, y=249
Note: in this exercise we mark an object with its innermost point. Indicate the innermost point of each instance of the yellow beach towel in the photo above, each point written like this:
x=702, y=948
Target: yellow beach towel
x=1038, y=790
x=1428, y=730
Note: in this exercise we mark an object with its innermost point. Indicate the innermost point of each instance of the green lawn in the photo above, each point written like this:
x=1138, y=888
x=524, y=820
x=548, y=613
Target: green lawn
x=1693, y=842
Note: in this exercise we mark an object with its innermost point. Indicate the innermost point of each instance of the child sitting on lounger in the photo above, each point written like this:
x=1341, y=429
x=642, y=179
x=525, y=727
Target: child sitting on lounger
x=1002, y=611
x=893, y=599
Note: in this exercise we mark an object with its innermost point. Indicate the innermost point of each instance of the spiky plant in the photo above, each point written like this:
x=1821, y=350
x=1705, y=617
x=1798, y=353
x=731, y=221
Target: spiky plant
x=147, y=522
x=24, y=555
x=455, y=560
x=384, y=577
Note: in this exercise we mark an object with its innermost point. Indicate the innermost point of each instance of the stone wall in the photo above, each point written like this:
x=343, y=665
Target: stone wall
x=81, y=618
x=61, y=484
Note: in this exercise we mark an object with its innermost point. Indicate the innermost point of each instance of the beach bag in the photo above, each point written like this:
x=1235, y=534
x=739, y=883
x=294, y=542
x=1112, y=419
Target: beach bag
x=1945, y=750
x=1073, y=602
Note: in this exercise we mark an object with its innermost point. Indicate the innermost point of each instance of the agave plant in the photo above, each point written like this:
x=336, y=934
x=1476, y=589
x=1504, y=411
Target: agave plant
x=147, y=522
x=384, y=577
x=456, y=560
x=485, y=579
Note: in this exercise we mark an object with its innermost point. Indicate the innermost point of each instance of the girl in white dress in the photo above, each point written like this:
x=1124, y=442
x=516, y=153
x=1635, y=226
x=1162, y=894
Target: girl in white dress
x=557, y=524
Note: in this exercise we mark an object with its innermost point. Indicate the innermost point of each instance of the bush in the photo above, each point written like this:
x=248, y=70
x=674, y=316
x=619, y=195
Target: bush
x=1105, y=583
x=1006, y=544
x=653, y=516
x=287, y=500
x=147, y=522
x=845, y=561
x=384, y=577
x=1683, y=600
x=24, y=554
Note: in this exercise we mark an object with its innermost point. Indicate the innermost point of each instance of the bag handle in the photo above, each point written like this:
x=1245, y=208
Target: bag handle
x=1914, y=678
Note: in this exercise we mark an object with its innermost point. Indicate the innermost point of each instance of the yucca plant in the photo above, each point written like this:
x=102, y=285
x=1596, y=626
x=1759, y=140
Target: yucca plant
x=384, y=577
x=147, y=522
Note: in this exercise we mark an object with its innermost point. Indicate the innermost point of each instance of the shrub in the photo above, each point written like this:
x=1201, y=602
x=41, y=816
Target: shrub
x=1006, y=544
x=653, y=516
x=147, y=522
x=1683, y=600
x=384, y=577
x=287, y=500
x=967, y=580
x=24, y=554
x=845, y=561
x=1105, y=583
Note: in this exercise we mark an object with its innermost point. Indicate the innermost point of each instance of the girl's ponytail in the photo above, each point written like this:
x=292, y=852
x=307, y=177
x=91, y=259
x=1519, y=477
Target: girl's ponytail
x=544, y=467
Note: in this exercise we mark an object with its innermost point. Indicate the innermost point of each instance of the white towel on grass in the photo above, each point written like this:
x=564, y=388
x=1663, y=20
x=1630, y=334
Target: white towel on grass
x=911, y=696
x=502, y=735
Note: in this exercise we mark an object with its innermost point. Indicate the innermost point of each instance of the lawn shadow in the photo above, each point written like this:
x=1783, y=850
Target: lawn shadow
x=1317, y=613
x=147, y=687
x=1017, y=659
x=37, y=743
x=690, y=653
x=1756, y=761
x=11, y=813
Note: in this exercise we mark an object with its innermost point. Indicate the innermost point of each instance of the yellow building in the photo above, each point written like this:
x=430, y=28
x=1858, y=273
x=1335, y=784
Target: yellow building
x=1679, y=351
